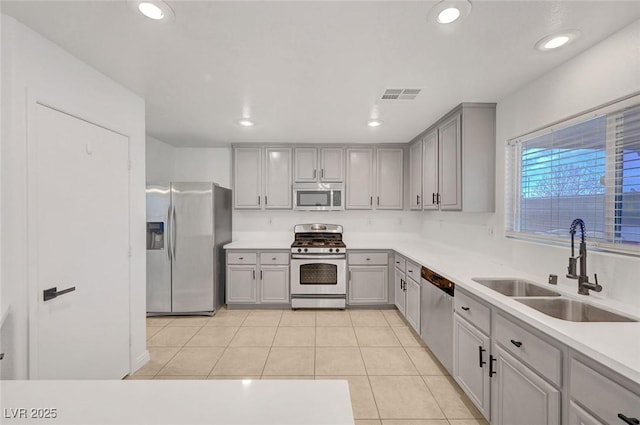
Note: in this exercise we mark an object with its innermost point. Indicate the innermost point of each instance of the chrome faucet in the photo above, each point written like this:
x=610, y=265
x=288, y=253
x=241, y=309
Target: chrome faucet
x=584, y=286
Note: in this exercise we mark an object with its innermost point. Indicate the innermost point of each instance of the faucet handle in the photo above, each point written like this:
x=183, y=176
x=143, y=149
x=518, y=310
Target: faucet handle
x=595, y=276
x=553, y=279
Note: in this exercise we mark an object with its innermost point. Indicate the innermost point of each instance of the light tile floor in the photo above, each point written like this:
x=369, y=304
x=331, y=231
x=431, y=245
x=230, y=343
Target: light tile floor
x=393, y=378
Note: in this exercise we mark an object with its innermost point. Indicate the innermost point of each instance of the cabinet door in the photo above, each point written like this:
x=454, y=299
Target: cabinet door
x=368, y=284
x=241, y=284
x=305, y=164
x=450, y=164
x=579, y=416
x=430, y=171
x=274, y=284
x=247, y=178
x=412, y=308
x=389, y=178
x=359, y=179
x=277, y=178
x=415, y=176
x=331, y=165
x=399, y=298
x=469, y=347
x=520, y=396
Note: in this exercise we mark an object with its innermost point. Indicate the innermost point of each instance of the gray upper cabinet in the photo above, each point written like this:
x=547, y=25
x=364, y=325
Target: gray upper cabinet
x=306, y=165
x=430, y=171
x=458, y=160
x=332, y=165
x=389, y=181
x=415, y=176
x=450, y=164
x=277, y=178
x=359, y=179
x=318, y=165
x=247, y=178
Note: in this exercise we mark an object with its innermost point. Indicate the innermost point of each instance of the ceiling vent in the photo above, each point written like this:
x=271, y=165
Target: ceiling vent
x=400, y=94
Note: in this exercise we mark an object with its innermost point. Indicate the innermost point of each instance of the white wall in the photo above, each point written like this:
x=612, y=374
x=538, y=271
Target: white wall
x=168, y=163
x=30, y=62
x=607, y=71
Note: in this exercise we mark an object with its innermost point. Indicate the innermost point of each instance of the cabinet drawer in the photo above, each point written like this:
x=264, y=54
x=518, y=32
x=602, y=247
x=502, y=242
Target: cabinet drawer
x=542, y=356
x=413, y=271
x=601, y=395
x=475, y=312
x=272, y=258
x=366, y=258
x=401, y=263
x=241, y=258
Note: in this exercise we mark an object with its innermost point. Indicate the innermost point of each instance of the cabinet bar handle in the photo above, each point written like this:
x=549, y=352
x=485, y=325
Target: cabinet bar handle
x=254, y=275
x=240, y=258
x=481, y=362
x=397, y=262
x=260, y=274
x=274, y=258
x=258, y=200
x=323, y=173
x=349, y=275
x=314, y=174
x=265, y=200
x=516, y=343
x=417, y=199
x=438, y=198
x=371, y=200
x=628, y=420
x=491, y=360
x=433, y=198
x=378, y=201
x=465, y=308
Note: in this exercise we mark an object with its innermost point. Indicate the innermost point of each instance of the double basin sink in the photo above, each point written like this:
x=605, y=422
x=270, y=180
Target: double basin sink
x=550, y=302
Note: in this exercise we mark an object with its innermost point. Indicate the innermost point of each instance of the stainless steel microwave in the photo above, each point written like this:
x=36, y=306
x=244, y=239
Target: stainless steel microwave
x=318, y=196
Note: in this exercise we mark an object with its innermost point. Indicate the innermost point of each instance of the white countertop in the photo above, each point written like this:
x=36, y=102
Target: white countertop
x=615, y=345
x=223, y=402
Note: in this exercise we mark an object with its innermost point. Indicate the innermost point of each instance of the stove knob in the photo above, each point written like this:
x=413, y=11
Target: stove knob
x=331, y=249
x=337, y=249
x=299, y=249
x=305, y=250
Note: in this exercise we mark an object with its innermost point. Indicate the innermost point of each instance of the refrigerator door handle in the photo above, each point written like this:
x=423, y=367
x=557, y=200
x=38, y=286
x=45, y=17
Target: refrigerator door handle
x=174, y=229
x=168, y=233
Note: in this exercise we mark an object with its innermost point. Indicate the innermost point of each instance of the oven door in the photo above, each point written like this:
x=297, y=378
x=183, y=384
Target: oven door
x=318, y=275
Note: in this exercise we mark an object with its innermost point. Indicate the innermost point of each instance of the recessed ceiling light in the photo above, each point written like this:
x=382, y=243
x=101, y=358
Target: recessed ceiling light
x=554, y=41
x=449, y=11
x=245, y=122
x=374, y=123
x=156, y=10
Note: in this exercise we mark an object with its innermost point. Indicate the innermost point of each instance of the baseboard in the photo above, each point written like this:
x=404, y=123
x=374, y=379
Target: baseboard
x=140, y=361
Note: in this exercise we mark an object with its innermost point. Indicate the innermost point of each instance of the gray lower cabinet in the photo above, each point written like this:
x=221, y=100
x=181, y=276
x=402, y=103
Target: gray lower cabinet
x=398, y=285
x=471, y=350
x=412, y=304
x=241, y=284
x=257, y=277
x=368, y=284
x=579, y=416
x=274, y=284
x=519, y=395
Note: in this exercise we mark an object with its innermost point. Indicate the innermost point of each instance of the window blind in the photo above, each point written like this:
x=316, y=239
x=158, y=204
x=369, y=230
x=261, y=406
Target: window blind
x=588, y=168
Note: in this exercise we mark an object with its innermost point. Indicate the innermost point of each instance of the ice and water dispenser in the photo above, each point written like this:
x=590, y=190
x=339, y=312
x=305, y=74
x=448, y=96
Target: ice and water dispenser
x=155, y=235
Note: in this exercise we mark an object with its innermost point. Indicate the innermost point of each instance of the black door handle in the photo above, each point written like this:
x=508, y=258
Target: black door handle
x=627, y=420
x=516, y=343
x=465, y=308
x=51, y=293
x=480, y=360
x=491, y=360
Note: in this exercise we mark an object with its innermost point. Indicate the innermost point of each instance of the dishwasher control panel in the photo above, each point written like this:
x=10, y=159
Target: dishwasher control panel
x=438, y=281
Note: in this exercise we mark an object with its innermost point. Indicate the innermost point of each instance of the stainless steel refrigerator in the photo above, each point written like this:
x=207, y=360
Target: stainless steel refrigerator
x=187, y=225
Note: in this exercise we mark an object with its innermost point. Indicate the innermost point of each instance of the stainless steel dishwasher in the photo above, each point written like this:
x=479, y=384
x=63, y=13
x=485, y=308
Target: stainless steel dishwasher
x=436, y=316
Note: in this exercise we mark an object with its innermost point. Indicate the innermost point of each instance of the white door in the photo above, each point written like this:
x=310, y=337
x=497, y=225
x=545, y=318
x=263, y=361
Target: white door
x=359, y=179
x=241, y=284
x=430, y=171
x=389, y=178
x=332, y=165
x=277, y=178
x=399, y=297
x=412, y=308
x=305, y=165
x=450, y=165
x=415, y=176
x=247, y=178
x=368, y=284
x=515, y=382
x=79, y=238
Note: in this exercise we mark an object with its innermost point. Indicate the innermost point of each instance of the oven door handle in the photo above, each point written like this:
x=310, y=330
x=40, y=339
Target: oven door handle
x=317, y=257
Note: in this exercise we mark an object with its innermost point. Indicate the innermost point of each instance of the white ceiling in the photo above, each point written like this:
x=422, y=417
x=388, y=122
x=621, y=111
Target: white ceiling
x=313, y=71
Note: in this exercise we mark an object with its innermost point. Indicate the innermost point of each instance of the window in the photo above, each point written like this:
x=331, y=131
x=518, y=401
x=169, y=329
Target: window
x=588, y=168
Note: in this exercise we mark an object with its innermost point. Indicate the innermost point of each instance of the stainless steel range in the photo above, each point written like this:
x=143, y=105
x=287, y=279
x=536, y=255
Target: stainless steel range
x=318, y=267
